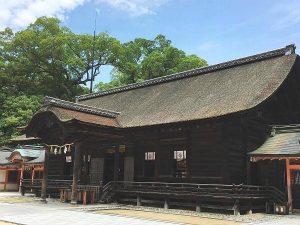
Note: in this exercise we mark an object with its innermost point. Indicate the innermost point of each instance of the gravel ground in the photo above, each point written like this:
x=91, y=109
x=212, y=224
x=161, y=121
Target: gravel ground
x=167, y=217
x=255, y=217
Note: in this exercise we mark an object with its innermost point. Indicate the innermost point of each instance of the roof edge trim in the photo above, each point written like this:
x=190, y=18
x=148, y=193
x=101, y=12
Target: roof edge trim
x=50, y=101
x=288, y=50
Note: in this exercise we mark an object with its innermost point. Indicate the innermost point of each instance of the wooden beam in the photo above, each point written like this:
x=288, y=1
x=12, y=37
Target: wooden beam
x=116, y=164
x=74, y=195
x=45, y=175
x=294, y=167
x=257, y=158
x=289, y=188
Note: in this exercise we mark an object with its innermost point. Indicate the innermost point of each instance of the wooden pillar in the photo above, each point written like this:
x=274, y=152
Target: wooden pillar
x=288, y=185
x=6, y=179
x=21, y=179
x=157, y=151
x=116, y=164
x=45, y=176
x=188, y=154
x=32, y=174
x=76, y=167
x=248, y=171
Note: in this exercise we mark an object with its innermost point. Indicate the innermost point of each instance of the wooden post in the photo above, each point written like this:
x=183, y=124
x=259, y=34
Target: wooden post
x=45, y=176
x=188, y=154
x=6, y=179
x=288, y=185
x=116, y=164
x=32, y=174
x=21, y=179
x=76, y=167
x=248, y=171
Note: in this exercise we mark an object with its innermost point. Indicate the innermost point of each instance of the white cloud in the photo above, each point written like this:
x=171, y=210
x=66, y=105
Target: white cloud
x=287, y=14
x=20, y=13
x=135, y=7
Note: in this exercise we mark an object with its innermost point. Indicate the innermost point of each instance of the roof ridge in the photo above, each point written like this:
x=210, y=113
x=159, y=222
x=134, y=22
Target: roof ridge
x=79, y=107
x=289, y=49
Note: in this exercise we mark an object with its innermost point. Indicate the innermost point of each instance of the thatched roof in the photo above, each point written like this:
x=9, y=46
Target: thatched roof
x=208, y=92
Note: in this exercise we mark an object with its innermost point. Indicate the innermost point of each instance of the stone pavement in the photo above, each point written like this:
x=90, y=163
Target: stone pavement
x=45, y=214
x=35, y=212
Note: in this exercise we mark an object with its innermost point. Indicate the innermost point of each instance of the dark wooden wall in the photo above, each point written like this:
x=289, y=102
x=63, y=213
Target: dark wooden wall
x=57, y=167
x=207, y=154
x=216, y=152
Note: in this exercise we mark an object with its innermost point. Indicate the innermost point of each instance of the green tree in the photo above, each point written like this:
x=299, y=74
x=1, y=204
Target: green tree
x=16, y=112
x=144, y=59
x=49, y=59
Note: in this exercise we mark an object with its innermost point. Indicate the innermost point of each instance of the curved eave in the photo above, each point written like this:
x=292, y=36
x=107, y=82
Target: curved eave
x=62, y=117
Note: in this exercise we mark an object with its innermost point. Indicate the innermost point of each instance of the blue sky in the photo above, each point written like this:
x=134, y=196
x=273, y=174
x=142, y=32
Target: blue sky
x=213, y=29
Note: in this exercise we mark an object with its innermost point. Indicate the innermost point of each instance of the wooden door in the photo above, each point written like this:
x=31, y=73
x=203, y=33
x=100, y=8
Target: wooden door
x=96, y=171
x=109, y=164
x=128, y=168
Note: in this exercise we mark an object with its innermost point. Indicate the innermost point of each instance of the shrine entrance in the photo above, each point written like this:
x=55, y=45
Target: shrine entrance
x=114, y=164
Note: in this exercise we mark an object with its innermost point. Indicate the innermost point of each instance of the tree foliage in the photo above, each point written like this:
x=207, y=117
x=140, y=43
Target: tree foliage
x=16, y=112
x=144, y=59
x=49, y=59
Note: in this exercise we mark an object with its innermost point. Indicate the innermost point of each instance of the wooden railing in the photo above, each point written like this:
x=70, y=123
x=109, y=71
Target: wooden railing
x=97, y=190
x=233, y=197
x=54, y=185
x=36, y=185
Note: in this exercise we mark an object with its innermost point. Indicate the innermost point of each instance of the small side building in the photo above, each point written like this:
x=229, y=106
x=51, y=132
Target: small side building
x=22, y=162
x=9, y=173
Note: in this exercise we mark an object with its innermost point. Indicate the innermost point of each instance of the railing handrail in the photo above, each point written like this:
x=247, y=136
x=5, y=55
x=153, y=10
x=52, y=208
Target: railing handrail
x=234, y=189
x=191, y=185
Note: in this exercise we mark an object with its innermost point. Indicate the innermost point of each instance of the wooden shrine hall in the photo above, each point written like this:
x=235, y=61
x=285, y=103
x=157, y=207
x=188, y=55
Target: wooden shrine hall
x=179, y=140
